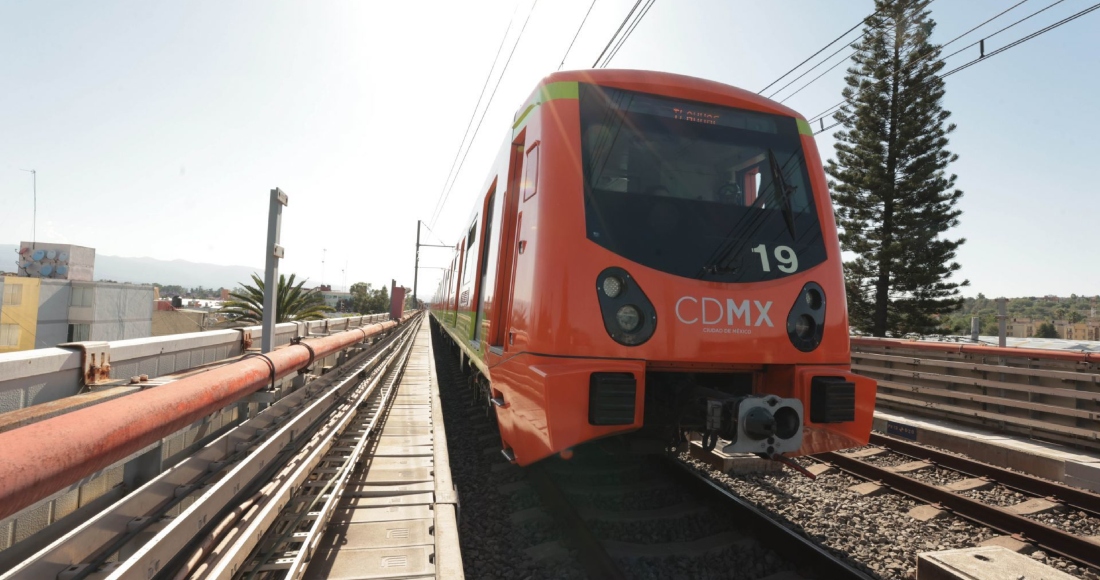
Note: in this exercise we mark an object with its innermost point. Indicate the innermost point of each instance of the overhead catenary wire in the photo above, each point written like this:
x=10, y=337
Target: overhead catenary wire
x=434, y=235
x=473, y=113
x=928, y=55
x=596, y=63
x=578, y=33
x=503, y=71
x=845, y=59
x=809, y=58
x=813, y=80
x=1023, y=39
x=1014, y=43
x=629, y=31
x=826, y=59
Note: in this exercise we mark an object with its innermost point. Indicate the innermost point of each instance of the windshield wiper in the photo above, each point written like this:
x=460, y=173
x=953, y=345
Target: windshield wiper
x=782, y=191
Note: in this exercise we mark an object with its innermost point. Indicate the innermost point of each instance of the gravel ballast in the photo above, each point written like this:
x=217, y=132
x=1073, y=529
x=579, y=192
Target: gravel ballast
x=874, y=533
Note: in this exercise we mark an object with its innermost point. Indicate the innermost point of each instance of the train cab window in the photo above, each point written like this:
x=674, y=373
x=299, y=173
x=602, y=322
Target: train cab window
x=697, y=190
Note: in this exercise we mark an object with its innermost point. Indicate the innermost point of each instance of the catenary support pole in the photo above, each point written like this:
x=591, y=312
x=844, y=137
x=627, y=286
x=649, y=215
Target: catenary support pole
x=271, y=270
x=416, y=268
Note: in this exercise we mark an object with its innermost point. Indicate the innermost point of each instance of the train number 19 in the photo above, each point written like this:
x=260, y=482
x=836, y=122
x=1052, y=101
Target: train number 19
x=788, y=261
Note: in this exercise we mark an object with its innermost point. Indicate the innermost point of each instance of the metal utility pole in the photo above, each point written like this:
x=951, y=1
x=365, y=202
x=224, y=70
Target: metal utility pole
x=271, y=270
x=34, y=218
x=416, y=269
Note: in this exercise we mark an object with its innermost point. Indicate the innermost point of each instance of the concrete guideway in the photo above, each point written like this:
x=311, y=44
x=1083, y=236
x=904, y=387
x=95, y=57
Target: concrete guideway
x=181, y=515
x=397, y=518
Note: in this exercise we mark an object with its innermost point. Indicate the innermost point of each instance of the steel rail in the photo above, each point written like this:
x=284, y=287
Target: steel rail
x=42, y=458
x=1051, y=539
x=779, y=537
x=1080, y=499
x=269, y=462
x=100, y=536
x=332, y=491
x=593, y=558
x=317, y=438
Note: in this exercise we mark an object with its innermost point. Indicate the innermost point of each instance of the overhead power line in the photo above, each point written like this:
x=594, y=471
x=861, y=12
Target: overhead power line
x=616, y=35
x=473, y=113
x=809, y=58
x=585, y=19
x=1023, y=40
x=1014, y=43
x=629, y=31
x=929, y=54
x=845, y=59
x=519, y=38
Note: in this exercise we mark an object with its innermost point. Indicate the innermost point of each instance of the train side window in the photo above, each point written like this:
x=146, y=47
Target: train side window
x=531, y=172
x=468, y=267
x=486, y=237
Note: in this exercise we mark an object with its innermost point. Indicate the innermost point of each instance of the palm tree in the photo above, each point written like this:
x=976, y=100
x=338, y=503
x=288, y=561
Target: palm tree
x=294, y=302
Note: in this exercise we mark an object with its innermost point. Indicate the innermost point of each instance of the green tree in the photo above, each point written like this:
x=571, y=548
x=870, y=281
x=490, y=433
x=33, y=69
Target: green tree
x=293, y=302
x=366, y=299
x=1046, y=330
x=893, y=196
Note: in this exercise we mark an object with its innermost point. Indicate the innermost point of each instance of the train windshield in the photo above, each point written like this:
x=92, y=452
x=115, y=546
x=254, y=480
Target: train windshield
x=697, y=190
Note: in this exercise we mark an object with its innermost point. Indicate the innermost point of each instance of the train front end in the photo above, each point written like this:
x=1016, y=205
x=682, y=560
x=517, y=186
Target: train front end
x=689, y=276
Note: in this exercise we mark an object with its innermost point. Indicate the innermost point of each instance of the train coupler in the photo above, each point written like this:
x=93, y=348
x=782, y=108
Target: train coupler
x=767, y=426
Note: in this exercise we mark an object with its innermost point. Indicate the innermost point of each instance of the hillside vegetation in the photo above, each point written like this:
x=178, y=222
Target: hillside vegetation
x=1046, y=308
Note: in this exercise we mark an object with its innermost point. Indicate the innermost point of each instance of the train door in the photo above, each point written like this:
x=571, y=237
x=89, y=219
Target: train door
x=502, y=301
x=483, y=270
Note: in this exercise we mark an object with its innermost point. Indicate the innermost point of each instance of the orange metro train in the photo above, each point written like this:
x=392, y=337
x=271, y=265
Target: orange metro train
x=656, y=253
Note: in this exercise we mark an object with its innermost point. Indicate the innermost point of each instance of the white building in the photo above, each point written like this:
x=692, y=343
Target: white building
x=75, y=311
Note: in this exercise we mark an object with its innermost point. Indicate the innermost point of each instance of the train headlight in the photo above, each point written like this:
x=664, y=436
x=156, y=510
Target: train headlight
x=612, y=286
x=806, y=320
x=628, y=318
x=628, y=315
x=804, y=327
x=812, y=298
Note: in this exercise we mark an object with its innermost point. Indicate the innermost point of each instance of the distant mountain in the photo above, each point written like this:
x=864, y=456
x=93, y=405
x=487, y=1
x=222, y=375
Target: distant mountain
x=150, y=270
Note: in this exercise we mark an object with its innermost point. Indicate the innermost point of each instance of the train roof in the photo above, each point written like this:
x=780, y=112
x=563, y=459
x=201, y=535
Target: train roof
x=671, y=85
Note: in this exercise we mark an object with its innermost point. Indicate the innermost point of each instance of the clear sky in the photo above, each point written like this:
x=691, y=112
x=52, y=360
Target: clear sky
x=157, y=129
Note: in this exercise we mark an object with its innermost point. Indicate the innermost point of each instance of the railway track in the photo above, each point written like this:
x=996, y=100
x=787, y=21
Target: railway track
x=307, y=501
x=256, y=501
x=606, y=514
x=656, y=517
x=961, y=486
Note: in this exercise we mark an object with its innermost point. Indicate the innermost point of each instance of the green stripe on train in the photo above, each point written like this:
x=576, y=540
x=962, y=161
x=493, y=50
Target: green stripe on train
x=547, y=92
x=804, y=127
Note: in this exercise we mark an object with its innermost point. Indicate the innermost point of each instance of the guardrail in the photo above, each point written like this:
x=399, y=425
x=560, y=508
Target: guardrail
x=1051, y=395
x=33, y=377
x=41, y=384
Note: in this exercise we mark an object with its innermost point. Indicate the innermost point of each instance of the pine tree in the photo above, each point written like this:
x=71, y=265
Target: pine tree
x=893, y=197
